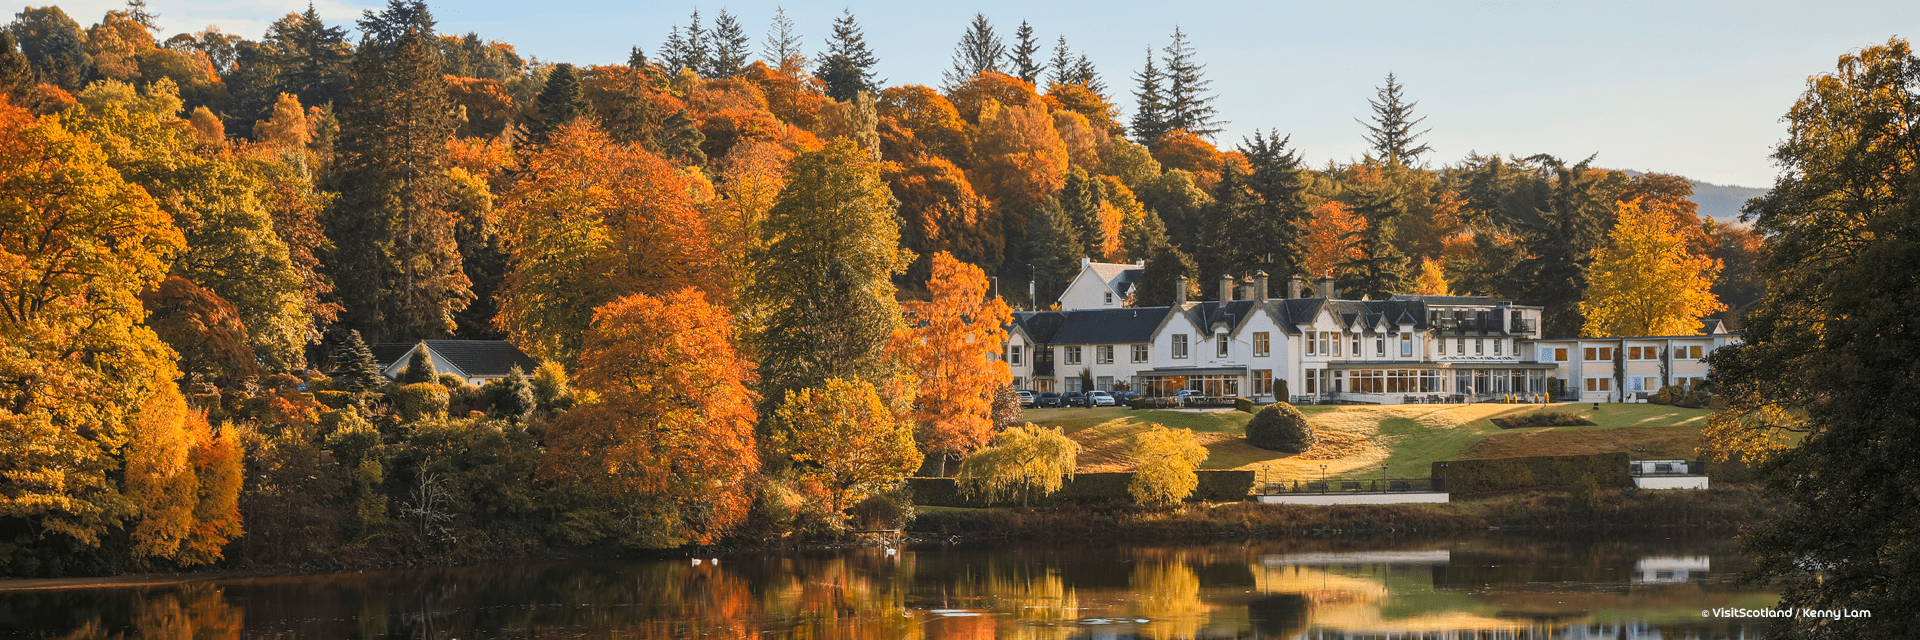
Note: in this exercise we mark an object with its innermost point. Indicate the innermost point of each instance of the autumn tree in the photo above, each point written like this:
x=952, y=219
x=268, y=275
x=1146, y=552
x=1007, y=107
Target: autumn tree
x=396, y=263
x=204, y=330
x=1433, y=282
x=1165, y=463
x=823, y=276
x=951, y=343
x=1021, y=464
x=1391, y=134
x=844, y=436
x=1647, y=281
x=1332, y=230
x=667, y=448
x=590, y=221
x=941, y=213
x=1818, y=385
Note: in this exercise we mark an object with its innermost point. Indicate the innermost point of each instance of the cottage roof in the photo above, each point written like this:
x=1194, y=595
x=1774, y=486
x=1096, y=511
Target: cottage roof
x=1120, y=277
x=473, y=358
x=1040, y=325
x=1110, y=326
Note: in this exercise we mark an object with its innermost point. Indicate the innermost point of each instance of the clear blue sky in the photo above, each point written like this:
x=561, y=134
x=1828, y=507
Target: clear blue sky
x=1690, y=88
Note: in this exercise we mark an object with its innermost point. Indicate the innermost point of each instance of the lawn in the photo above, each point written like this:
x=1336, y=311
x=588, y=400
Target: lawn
x=1407, y=438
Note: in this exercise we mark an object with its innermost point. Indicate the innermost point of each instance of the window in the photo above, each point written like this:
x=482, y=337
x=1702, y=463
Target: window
x=1694, y=352
x=1379, y=346
x=1599, y=354
x=1103, y=354
x=1406, y=345
x=1336, y=343
x=1479, y=346
x=1109, y=296
x=1019, y=382
x=1599, y=384
x=1652, y=384
x=1223, y=345
x=1560, y=354
x=1261, y=344
x=1311, y=338
x=1013, y=355
x=1496, y=345
x=1139, y=353
x=1460, y=347
x=1606, y=353
x=1633, y=353
x=1180, y=346
x=1262, y=382
x=1356, y=346
x=1103, y=383
x=1075, y=384
x=1073, y=355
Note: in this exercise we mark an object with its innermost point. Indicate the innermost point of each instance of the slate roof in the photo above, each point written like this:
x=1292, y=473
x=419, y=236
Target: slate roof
x=1470, y=301
x=475, y=358
x=1119, y=276
x=1380, y=315
x=1040, y=325
x=1110, y=326
x=1234, y=313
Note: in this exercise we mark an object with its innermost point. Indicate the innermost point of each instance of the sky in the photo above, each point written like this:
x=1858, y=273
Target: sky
x=1690, y=88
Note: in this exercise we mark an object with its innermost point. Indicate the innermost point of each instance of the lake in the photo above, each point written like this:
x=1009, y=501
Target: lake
x=1559, y=586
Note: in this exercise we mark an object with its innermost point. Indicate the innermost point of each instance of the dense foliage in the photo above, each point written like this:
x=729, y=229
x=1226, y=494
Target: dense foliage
x=1280, y=427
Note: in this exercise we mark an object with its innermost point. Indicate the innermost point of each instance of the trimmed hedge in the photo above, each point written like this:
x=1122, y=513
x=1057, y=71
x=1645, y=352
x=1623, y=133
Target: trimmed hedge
x=1243, y=404
x=1281, y=427
x=1493, y=474
x=1087, y=488
x=1735, y=468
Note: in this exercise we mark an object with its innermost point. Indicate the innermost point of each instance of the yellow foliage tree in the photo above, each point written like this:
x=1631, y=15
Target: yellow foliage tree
x=951, y=343
x=1431, y=281
x=845, y=437
x=1022, y=463
x=1646, y=281
x=1333, y=231
x=1167, y=460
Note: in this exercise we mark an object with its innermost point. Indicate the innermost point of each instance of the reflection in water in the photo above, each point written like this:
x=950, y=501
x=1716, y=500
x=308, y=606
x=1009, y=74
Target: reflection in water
x=1480, y=587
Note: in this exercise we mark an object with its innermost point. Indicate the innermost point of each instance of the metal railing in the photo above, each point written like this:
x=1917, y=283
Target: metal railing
x=1389, y=485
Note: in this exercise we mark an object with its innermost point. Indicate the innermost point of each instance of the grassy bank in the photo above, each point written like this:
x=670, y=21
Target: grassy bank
x=1725, y=508
x=1356, y=439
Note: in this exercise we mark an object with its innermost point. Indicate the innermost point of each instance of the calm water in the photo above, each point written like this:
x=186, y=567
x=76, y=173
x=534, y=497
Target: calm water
x=1487, y=587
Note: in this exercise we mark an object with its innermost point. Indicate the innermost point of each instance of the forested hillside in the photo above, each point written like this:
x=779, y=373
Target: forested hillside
x=736, y=248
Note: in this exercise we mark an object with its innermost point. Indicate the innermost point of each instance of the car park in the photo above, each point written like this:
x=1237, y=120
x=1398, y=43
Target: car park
x=1047, y=400
x=1099, y=399
x=1076, y=399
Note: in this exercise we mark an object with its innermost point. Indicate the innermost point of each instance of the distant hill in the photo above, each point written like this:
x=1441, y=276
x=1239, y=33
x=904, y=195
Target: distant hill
x=1720, y=202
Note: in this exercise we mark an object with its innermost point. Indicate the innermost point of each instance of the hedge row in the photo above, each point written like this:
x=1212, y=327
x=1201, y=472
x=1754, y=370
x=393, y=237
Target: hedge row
x=1492, y=474
x=1087, y=488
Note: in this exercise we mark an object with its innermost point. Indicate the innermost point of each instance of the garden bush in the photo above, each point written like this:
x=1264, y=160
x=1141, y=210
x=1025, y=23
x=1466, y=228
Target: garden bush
x=420, y=400
x=1280, y=427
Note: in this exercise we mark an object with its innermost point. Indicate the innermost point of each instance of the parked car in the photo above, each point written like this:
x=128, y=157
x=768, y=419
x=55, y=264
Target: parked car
x=1124, y=397
x=1026, y=398
x=1076, y=398
x=1047, y=400
x=1186, y=397
x=1100, y=399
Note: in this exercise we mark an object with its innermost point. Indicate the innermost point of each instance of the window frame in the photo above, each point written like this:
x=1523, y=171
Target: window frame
x=1072, y=355
x=1262, y=344
x=1225, y=346
x=1178, y=346
x=1013, y=355
x=1103, y=354
x=1141, y=353
x=1406, y=345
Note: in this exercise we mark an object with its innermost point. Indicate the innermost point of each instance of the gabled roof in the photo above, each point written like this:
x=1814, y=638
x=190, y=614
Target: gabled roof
x=473, y=358
x=1206, y=314
x=1110, y=326
x=1379, y=315
x=1040, y=325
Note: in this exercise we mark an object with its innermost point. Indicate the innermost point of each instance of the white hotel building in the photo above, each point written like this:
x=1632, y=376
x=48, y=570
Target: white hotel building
x=1402, y=349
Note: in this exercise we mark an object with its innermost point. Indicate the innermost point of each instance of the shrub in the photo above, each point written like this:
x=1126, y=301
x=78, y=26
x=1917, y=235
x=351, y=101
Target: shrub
x=1469, y=476
x=1691, y=400
x=1243, y=404
x=551, y=391
x=419, y=367
x=334, y=399
x=1665, y=396
x=1168, y=459
x=420, y=400
x=1280, y=427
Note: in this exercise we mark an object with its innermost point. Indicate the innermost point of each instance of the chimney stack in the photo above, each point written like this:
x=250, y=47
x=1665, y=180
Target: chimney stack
x=1325, y=285
x=1296, y=287
x=1260, y=285
x=1226, y=288
x=1180, y=291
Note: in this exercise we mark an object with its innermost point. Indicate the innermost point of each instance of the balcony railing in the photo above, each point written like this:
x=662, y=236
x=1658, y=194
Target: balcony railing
x=1526, y=326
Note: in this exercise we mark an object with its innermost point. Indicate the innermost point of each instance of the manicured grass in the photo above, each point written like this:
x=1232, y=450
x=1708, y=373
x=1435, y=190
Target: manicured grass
x=1408, y=438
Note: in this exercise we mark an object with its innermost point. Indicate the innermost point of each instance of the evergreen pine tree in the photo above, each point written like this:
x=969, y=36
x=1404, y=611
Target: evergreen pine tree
x=1380, y=269
x=1053, y=252
x=673, y=52
x=16, y=74
x=979, y=51
x=636, y=58
x=847, y=66
x=419, y=367
x=1085, y=75
x=384, y=30
x=687, y=50
x=1223, y=244
x=782, y=45
x=396, y=261
x=1150, y=115
x=513, y=397
x=137, y=12
x=730, y=53
x=1391, y=134
x=560, y=102
x=1061, y=63
x=1080, y=199
x=1165, y=265
x=353, y=362
x=1188, y=104
x=1274, y=228
x=1024, y=66
x=55, y=45
x=680, y=140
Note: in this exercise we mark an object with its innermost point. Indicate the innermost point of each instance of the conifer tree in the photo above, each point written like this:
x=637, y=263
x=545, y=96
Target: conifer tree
x=1150, y=115
x=729, y=57
x=16, y=74
x=1061, y=63
x=353, y=362
x=419, y=367
x=1080, y=199
x=396, y=262
x=1279, y=215
x=979, y=51
x=560, y=102
x=847, y=66
x=55, y=45
x=1188, y=104
x=1053, y=251
x=1085, y=75
x=1024, y=66
x=1391, y=134
x=1224, y=245
x=1379, y=269
x=688, y=51
x=781, y=48
x=1165, y=265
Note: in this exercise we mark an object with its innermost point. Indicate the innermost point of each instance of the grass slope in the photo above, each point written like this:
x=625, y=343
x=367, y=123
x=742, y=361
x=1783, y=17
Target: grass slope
x=1408, y=438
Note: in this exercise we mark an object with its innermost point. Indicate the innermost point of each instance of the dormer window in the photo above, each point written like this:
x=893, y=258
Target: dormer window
x=1406, y=345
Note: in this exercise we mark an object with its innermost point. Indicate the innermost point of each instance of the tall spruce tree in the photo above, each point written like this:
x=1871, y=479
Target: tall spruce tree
x=1561, y=234
x=1150, y=115
x=781, y=48
x=979, y=51
x=1391, y=134
x=1188, y=103
x=1053, y=252
x=1084, y=74
x=1280, y=214
x=730, y=52
x=847, y=66
x=688, y=49
x=1080, y=199
x=1380, y=269
x=16, y=74
x=396, y=262
x=1020, y=58
x=561, y=101
x=1061, y=63
x=1224, y=247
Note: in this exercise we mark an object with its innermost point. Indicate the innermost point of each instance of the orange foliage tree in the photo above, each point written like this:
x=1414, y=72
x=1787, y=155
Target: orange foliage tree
x=940, y=213
x=1020, y=159
x=669, y=445
x=932, y=121
x=1333, y=231
x=952, y=342
x=204, y=329
x=1077, y=98
x=1647, y=281
x=1179, y=149
x=590, y=221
